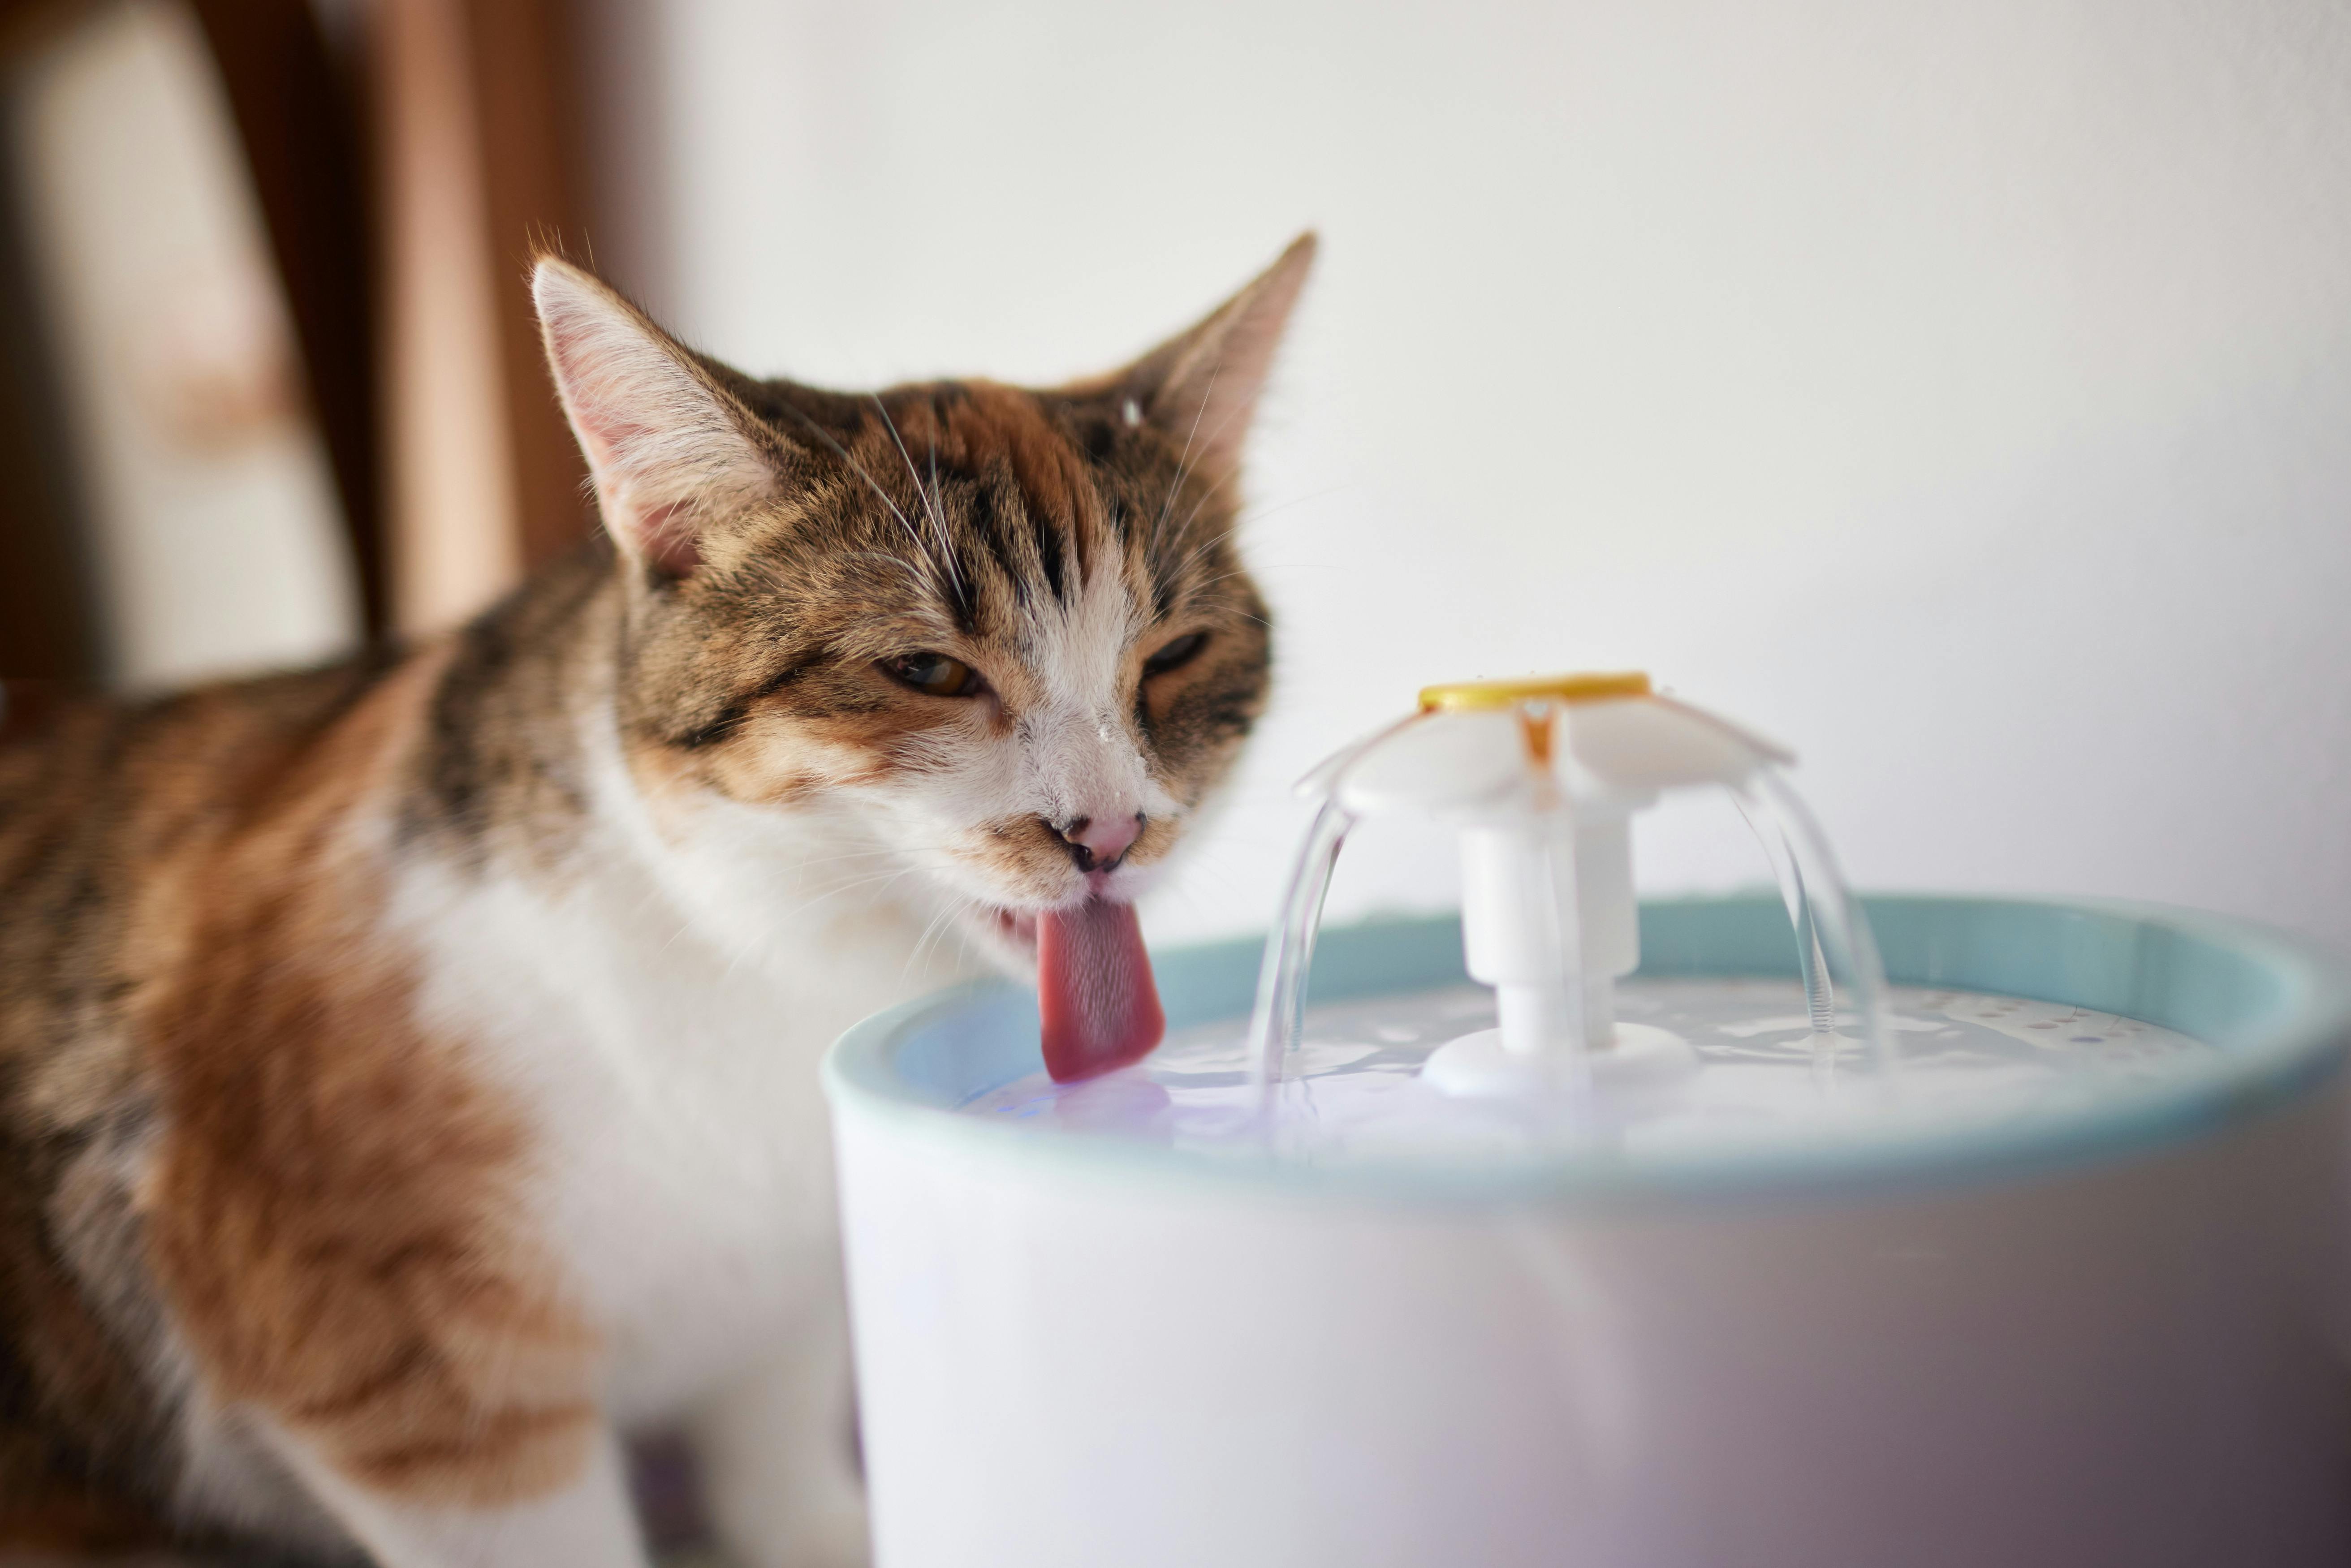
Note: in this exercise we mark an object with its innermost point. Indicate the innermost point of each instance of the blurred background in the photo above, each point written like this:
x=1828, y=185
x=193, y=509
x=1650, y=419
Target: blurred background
x=1960, y=393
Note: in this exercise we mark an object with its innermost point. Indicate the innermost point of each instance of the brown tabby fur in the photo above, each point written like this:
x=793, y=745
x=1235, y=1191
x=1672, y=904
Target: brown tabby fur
x=239, y=1169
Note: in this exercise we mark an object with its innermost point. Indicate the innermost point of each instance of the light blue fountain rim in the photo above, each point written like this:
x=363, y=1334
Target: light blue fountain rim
x=2278, y=1012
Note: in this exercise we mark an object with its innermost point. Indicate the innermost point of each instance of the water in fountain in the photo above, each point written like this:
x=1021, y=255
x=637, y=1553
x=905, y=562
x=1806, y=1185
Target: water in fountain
x=1742, y=1059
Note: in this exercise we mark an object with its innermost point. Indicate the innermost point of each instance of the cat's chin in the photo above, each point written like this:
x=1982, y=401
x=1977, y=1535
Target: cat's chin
x=1009, y=936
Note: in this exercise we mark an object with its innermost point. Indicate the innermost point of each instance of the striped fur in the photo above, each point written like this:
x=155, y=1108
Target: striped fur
x=405, y=1068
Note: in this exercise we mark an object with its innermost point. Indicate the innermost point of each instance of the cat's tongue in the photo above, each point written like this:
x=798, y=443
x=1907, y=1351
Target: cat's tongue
x=1095, y=990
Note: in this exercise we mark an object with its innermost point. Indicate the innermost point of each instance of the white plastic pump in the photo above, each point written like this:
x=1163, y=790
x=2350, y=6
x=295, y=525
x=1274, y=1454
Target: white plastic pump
x=1541, y=777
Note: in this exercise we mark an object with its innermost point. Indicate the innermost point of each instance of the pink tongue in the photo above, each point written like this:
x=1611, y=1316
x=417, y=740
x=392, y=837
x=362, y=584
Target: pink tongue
x=1095, y=990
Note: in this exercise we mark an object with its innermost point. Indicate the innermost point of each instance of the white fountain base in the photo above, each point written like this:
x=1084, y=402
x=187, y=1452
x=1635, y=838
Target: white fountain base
x=1479, y=1063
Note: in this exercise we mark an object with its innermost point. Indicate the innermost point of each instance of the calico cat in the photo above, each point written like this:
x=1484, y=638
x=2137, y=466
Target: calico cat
x=407, y=1070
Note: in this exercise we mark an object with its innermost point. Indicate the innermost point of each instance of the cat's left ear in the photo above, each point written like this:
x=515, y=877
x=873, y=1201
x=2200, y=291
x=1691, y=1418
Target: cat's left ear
x=1201, y=387
x=669, y=449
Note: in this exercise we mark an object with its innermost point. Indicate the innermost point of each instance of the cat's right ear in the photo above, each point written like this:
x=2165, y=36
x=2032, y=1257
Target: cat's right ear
x=1201, y=387
x=669, y=450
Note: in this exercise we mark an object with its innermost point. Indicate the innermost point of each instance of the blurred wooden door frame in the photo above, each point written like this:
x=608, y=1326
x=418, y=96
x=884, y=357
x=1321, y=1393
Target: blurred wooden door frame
x=49, y=628
x=297, y=116
x=318, y=130
x=478, y=147
x=531, y=74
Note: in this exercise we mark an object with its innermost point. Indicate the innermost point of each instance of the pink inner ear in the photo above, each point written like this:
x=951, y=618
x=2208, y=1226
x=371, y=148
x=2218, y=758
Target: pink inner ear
x=665, y=537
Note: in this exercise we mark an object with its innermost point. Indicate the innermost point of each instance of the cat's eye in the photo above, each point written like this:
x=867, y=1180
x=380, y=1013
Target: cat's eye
x=935, y=674
x=1175, y=655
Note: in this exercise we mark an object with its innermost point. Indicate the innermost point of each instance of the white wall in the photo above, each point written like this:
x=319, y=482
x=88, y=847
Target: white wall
x=1961, y=392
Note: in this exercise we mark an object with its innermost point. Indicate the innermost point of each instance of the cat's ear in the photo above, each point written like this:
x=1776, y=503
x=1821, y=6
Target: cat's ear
x=669, y=449
x=1201, y=386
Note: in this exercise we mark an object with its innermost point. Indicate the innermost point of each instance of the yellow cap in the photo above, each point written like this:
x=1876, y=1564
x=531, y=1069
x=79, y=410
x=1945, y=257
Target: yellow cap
x=1456, y=695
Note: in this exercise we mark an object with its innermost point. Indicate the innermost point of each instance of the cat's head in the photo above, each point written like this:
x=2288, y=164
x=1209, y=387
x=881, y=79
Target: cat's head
x=1007, y=631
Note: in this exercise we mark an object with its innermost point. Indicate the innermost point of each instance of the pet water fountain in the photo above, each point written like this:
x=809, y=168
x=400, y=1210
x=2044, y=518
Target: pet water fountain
x=1790, y=1228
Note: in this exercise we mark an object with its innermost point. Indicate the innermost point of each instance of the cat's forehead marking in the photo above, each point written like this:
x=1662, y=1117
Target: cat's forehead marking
x=1077, y=648
x=1029, y=526
x=1052, y=475
x=1074, y=639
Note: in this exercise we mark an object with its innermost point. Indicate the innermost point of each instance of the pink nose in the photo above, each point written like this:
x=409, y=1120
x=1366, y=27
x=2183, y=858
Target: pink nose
x=1098, y=842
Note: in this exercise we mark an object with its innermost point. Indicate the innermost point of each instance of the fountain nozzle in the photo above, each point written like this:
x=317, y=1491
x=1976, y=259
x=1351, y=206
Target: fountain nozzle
x=1541, y=778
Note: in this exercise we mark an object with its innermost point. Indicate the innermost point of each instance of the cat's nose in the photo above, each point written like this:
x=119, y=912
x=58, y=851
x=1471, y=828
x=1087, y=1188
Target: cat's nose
x=1096, y=843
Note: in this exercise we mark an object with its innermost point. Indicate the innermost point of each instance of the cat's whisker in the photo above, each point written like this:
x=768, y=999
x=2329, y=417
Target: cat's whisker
x=961, y=929
x=858, y=468
x=1245, y=517
x=685, y=921
x=1216, y=487
x=866, y=880
x=1199, y=554
x=947, y=914
x=938, y=518
x=1183, y=458
x=1264, y=509
x=851, y=855
x=1208, y=494
x=881, y=853
x=899, y=561
x=877, y=882
x=935, y=492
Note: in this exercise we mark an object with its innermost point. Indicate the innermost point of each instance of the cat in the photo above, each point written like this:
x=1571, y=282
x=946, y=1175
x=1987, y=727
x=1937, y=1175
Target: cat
x=408, y=1069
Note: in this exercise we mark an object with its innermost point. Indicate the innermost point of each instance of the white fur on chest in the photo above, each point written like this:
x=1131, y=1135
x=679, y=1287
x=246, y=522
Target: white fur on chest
x=662, y=1022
